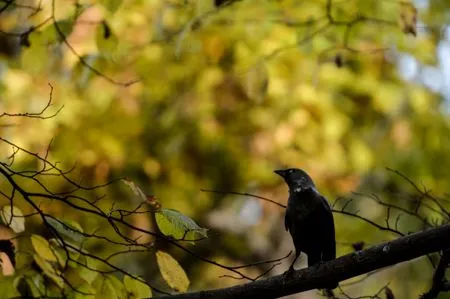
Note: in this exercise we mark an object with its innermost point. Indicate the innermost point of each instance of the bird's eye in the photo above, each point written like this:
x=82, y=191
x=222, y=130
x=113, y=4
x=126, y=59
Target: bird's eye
x=291, y=171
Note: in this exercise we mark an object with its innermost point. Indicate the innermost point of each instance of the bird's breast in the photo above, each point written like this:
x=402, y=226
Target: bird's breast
x=300, y=204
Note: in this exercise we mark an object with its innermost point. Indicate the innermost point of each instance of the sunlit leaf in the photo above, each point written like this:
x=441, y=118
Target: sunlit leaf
x=105, y=288
x=172, y=272
x=13, y=217
x=42, y=248
x=58, y=247
x=8, y=287
x=136, y=289
x=107, y=41
x=111, y=5
x=178, y=226
x=61, y=254
x=88, y=274
x=35, y=59
x=74, y=279
x=117, y=285
x=49, y=270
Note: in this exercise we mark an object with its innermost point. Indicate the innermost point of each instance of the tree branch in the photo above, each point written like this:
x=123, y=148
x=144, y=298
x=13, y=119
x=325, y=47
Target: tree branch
x=439, y=280
x=348, y=266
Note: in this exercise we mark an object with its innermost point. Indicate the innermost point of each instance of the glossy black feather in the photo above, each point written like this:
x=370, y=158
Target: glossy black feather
x=312, y=226
x=309, y=219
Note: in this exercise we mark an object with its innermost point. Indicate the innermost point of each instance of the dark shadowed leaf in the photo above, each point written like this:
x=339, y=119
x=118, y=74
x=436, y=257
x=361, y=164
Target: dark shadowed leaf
x=67, y=228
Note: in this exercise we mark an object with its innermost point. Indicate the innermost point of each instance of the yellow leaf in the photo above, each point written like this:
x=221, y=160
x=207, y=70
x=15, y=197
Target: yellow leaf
x=49, y=270
x=42, y=248
x=214, y=48
x=136, y=289
x=172, y=272
x=13, y=217
x=174, y=224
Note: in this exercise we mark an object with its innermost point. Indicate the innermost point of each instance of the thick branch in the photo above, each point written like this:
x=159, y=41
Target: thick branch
x=439, y=280
x=348, y=266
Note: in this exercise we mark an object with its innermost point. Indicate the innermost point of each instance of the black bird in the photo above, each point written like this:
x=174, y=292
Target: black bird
x=308, y=219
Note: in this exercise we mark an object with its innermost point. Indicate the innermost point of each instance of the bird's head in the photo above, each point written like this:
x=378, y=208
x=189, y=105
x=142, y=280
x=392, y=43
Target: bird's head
x=296, y=179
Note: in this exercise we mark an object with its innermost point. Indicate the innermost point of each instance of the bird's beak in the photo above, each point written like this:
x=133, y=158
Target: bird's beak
x=280, y=172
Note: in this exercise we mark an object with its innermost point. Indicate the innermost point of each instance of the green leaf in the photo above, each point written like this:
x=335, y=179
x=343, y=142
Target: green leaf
x=172, y=272
x=107, y=41
x=111, y=5
x=61, y=252
x=35, y=59
x=64, y=27
x=8, y=287
x=31, y=285
x=14, y=220
x=52, y=33
x=136, y=289
x=67, y=228
x=81, y=74
x=178, y=226
x=49, y=270
x=105, y=288
x=84, y=289
x=43, y=249
x=88, y=274
x=117, y=285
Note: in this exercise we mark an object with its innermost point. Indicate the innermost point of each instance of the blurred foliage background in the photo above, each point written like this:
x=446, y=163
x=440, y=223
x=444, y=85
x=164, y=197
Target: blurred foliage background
x=180, y=95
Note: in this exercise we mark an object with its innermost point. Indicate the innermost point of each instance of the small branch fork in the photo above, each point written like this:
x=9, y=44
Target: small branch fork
x=42, y=114
x=440, y=283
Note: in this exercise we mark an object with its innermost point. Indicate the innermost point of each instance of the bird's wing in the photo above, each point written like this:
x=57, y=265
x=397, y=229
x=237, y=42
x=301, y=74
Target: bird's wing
x=287, y=222
x=328, y=231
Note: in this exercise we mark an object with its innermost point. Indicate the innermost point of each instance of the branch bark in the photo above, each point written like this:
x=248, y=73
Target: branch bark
x=348, y=266
x=439, y=280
